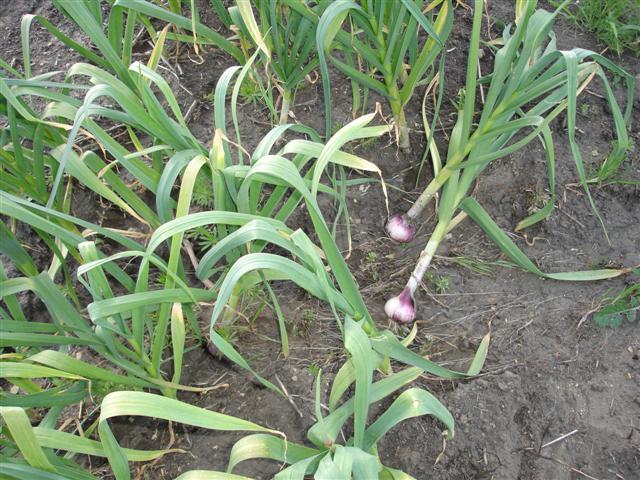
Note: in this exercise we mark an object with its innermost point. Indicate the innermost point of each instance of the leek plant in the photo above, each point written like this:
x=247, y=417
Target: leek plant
x=385, y=36
x=531, y=84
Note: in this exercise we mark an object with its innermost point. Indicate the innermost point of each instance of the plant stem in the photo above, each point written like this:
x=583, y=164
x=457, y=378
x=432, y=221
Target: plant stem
x=427, y=255
x=231, y=309
x=429, y=192
x=398, y=113
x=403, y=141
x=286, y=104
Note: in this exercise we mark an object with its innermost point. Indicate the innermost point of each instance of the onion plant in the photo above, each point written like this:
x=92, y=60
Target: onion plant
x=531, y=84
x=386, y=37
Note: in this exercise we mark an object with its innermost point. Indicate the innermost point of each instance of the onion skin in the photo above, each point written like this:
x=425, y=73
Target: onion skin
x=400, y=229
x=401, y=309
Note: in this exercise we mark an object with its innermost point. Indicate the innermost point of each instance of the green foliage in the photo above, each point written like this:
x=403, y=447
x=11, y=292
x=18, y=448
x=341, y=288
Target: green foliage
x=303, y=325
x=532, y=82
x=32, y=442
x=137, y=315
x=284, y=39
x=142, y=316
x=203, y=190
x=610, y=168
x=358, y=456
x=625, y=305
x=370, y=265
x=440, y=282
x=615, y=22
x=385, y=37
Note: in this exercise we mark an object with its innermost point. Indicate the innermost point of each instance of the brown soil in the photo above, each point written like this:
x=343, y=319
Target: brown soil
x=548, y=372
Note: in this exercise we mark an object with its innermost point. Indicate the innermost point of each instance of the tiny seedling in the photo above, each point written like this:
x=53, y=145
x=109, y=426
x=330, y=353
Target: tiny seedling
x=304, y=324
x=442, y=284
x=370, y=265
x=625, y=305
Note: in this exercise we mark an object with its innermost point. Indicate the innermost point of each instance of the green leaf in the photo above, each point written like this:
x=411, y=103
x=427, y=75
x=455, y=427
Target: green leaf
x=19, y=425
x=410, y=403
x=479, y=215
x=364, y=359
x=149, y=405
x=268, y=447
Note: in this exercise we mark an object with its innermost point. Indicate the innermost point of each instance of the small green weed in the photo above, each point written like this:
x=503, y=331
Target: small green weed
x=440, y=283
x=203, y=190
x=303, y=325
x=613, y=163
x=370, y=265
x=615, y=22
x=250, y=92
x=314, y=369
x=537, y=198
x=587, y=109
x=228, y=332
x=205, y=237
x=624, y=306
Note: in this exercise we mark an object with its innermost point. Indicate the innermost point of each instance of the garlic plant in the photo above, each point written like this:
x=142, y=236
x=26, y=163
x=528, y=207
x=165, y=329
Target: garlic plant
x=385, y=37
x=531, y=84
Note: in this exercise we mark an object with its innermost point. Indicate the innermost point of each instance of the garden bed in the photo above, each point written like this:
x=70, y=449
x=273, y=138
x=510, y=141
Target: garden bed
x=559, y=397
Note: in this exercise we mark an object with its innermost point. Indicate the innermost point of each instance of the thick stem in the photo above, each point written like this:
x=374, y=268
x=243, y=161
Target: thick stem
x=426, y=256
x=429, y=192
x=229, y=313
x=403, y=141
x=398, y=115
x=286, y=104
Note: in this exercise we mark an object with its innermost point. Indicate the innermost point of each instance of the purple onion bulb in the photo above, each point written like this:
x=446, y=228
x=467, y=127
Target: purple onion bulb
x=400, y=229
x=401, y=309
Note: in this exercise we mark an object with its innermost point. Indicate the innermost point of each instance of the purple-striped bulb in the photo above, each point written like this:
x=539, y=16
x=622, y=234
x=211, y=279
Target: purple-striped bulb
x=400, y=229
x=401, y=309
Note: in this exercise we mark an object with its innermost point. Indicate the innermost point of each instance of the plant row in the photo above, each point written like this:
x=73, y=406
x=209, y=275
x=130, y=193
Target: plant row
x=130, y=298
